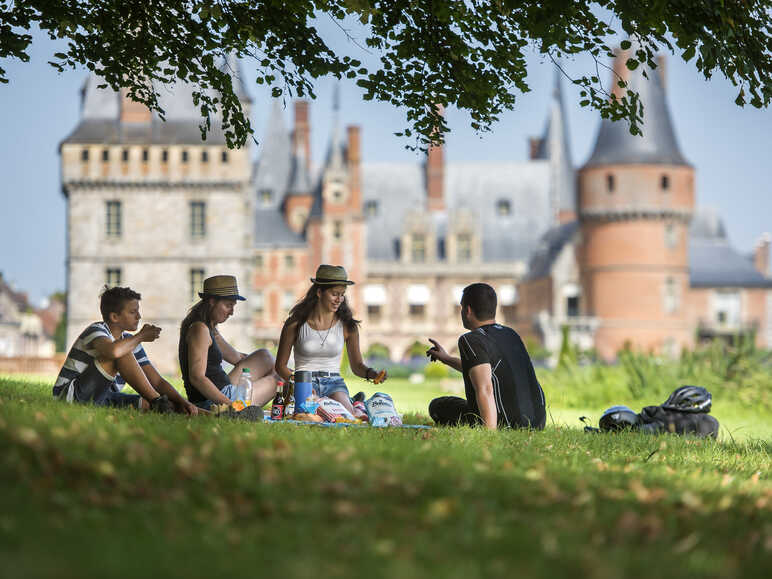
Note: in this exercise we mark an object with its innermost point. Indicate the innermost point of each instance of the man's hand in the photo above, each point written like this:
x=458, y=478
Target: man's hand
x=149, y=333
x=437, y=352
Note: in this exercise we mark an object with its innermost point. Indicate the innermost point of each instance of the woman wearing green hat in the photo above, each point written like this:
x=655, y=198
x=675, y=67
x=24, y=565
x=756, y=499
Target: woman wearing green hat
x=202, y=350
x=318, y=327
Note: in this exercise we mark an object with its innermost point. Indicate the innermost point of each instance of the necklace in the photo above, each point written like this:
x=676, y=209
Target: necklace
x=322, y=340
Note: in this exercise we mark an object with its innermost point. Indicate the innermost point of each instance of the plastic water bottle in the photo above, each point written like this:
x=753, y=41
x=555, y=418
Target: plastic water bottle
x=244, y=387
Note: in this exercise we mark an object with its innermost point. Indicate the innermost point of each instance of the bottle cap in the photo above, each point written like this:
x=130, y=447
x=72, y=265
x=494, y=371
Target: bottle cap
x=246, y=370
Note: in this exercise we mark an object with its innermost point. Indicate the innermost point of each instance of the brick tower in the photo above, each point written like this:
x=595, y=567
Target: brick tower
x=636, y=196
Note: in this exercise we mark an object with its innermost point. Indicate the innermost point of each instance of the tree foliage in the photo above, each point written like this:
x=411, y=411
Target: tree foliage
x=469, y=54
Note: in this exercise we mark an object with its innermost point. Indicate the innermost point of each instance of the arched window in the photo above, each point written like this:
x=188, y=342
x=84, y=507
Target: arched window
x=610, y=183
x=665, y=182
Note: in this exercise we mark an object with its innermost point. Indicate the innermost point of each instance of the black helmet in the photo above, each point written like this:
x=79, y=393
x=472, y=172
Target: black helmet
x=689, y=399
x=618, y=418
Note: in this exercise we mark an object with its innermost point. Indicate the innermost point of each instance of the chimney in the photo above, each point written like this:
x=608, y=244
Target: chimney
x=354, y=159
x=620, y=72
x=131, y=111
x=302, y=132
x=534, y=144
x=435, y=175
x=662, y=70
x=761, y=255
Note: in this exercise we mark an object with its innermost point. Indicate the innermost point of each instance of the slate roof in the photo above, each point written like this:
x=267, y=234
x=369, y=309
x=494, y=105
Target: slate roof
x=271, y=230
x=476, y=187
x=549, y=248
x=713, y=262
x=100, y=115
x=615, y=144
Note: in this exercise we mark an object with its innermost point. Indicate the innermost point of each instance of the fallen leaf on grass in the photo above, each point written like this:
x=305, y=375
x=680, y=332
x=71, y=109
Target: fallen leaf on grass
x=755, y=477
x=687, y=543
x=440, y=509
x=534, y=474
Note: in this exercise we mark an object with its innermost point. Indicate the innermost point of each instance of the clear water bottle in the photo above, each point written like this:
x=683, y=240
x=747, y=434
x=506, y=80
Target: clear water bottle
x=244, y=387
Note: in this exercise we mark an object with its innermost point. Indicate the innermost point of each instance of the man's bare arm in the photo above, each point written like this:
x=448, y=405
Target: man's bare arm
x=437, y=352
x=480, y=376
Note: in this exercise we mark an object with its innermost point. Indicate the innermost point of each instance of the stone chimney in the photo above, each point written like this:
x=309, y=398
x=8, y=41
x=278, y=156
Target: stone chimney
x=435, y=175
x=534, y=144
x=620, y=72
x=354, y=158
x=301, y=136
x=133, y=112
x=761, y=255
x=662, y=70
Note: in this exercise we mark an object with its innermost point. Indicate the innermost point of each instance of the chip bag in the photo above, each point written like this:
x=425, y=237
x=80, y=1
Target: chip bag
x=331, y=410
x=381, y=410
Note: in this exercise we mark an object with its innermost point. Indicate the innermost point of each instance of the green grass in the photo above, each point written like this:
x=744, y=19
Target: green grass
x=91, y=492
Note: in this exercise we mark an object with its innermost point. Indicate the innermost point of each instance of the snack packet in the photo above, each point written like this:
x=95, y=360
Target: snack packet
x=381, y=410
x=332, y=409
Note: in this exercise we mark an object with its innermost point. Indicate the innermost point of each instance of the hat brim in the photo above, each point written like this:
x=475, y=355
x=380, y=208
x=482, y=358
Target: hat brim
x=203, y=295
x=320, y=281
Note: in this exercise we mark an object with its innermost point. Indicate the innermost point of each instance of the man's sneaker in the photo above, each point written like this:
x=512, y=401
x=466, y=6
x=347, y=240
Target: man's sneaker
x=358, y=397
x=162, y=405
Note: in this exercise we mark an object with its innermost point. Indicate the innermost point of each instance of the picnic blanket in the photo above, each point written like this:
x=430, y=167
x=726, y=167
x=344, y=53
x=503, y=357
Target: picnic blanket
x=267, y=420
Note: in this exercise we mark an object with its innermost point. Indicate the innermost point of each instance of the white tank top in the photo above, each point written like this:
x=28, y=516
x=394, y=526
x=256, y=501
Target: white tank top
x=319, y=350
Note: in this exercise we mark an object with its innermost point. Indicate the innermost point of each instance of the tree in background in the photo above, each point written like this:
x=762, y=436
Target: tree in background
x=420, y=53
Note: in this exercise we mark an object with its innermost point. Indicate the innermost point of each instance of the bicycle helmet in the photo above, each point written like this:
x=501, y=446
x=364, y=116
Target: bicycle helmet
x=689, y=399
x=618, y=418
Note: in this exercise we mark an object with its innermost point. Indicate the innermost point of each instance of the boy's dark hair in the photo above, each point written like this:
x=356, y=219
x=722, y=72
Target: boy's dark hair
x=113, y=299
x=482, y=299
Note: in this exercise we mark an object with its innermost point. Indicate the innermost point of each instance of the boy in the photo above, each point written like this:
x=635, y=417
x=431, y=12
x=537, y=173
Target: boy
x=105, y=356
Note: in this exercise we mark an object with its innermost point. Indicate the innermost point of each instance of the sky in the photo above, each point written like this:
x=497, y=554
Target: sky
x=730, y=147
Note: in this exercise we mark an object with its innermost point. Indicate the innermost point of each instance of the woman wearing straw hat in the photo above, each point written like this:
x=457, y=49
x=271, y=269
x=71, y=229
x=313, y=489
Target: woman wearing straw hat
x=317, y=328
x=202, y=350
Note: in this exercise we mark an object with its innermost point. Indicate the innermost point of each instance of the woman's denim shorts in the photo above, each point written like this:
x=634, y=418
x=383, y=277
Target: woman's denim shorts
x=328, y=385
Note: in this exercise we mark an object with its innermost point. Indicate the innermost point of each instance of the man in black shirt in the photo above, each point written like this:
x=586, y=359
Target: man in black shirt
x=500, y=383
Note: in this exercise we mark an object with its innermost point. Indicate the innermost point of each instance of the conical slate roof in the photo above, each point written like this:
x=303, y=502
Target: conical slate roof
x=300, y=182
x=658, y=146
x=275, y=156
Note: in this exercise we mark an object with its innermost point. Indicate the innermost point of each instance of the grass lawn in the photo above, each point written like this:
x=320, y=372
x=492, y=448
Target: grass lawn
x=87, y=492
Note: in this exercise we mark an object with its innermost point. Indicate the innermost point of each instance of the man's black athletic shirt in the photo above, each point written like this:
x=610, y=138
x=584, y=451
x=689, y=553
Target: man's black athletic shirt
x=516, y=391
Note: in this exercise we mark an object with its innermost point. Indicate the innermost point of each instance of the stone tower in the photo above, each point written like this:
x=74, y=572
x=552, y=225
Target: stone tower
x=636, y=197
x=152, y=206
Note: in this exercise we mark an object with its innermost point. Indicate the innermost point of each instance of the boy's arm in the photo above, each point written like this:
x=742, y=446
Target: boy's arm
x=113, y=350
x=163, y=387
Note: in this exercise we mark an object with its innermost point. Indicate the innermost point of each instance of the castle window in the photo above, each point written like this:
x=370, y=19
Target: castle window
x=418, y=248
x=503, y=207
x=114, y=219
x=665, y=182
x=371, y=208
x=113, y=276
x=610, y=183
x=418, y=296
x=287, y=300
x=417, y=311
x=204, y=157
x=289, y=262
x=196, y=282
x=125, y=155
x=266, y=196
x=258, y=302
x=184, y=156
x=145, y=155
x=463, y=247
x=224, y=156
x=337, y=229
x=165, y=156
x=259, y=261
x=337, y=195
x=84, y=155
x=671, y=236
x=105, y=155
x=197, y=219
x=671, y=295
x=374, y=312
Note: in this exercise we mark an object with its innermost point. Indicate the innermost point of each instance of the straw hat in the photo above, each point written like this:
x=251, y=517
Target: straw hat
x=221, y=286
x=331, y=275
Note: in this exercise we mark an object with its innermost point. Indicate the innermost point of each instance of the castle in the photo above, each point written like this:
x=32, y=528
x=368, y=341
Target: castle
x=608, y=252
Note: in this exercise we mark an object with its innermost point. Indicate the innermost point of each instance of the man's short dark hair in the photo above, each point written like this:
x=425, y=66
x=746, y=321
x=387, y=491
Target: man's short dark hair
x=482, y=299
x=113, y=299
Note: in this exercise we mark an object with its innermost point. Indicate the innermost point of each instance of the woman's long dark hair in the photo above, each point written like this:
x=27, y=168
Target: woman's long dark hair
x=301, y=310
x=200, y=312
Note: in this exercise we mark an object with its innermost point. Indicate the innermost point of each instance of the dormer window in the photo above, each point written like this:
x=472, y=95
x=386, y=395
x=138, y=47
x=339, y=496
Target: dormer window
x=184, y=156
x=84, y=155
x=165, y=156
x=265, y=196
x=418, y=248
x=610, y=184
x=464, y=247
x=371, y=208
x=665, y=182
x=145, y=155
x=125, y=155
x=204, y=157
x=105, y=155
x=224, y=156
x=503, y=207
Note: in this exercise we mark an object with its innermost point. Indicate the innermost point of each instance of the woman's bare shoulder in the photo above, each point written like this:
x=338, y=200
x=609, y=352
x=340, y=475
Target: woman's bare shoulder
x=198, y=331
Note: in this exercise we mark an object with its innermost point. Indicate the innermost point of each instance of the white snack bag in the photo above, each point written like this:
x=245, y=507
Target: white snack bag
x=381, y=410
x=334, y=408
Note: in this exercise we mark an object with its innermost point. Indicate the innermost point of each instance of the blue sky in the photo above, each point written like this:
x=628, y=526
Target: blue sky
x=728, y=146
